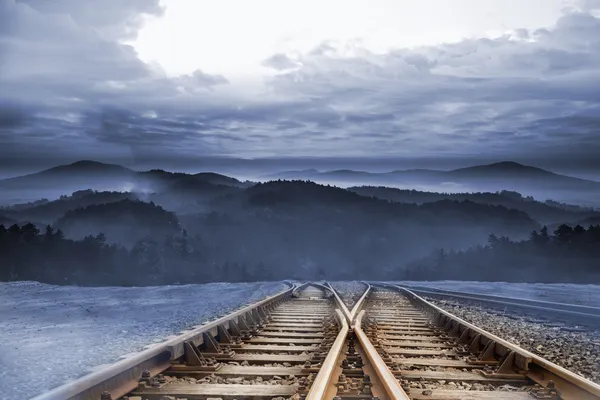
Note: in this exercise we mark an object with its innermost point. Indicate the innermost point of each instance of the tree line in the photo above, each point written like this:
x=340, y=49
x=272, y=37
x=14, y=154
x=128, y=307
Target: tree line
x=568, y=254
x=28, y=253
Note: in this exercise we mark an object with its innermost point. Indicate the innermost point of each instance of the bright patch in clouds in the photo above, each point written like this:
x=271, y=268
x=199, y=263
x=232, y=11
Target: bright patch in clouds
x=232, y=37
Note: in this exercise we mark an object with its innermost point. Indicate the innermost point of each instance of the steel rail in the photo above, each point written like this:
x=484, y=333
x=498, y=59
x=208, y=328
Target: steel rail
x=389, y=382
x=350, y=315
x=359, y=304
x=321, y=384
x=568, y=384
x=341, y=304
x=557, y=305
x=520, y=303
x=123, y=376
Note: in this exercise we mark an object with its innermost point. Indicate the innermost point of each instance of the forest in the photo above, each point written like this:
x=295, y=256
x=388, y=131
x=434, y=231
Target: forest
x=569, y=254
x=159, y=227
x=284, y=230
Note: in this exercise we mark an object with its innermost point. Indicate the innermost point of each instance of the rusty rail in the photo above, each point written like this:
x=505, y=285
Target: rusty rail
x=539, y=370
x=123, y=376
x=322, y=382
x=389, y=382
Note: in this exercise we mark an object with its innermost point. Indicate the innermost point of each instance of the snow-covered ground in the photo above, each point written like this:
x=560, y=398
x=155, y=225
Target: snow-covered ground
x=53, y=334
x=587, y=295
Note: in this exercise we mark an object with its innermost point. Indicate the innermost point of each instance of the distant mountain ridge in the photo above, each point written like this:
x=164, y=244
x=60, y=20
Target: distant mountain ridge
x=86, y=174
x=502, y=169
x=543, y=212
x=505, y=175
x=125, y=221
x=71, y=173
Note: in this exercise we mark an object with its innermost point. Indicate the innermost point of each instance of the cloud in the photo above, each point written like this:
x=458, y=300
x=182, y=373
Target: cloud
x=463, y=94
x=70, y=86
x=199, y=80
x=280, y=62
x=11, y=117
x=114, y=19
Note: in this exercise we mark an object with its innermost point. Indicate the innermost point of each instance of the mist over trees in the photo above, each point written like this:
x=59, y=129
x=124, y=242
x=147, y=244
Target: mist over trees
x=546, y=212
x=569, y=254
x=125, y=222
x=209, y=227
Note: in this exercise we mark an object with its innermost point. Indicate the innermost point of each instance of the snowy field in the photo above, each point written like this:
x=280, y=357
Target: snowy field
x=53, y=334
x=587, y=295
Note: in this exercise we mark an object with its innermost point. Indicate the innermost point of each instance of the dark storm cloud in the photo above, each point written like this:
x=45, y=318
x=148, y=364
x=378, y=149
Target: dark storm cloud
x=69, y=87
x=11, y=117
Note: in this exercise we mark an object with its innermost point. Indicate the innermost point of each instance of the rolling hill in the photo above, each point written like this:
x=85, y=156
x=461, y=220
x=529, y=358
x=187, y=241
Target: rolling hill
x=77, y=173
x=545, y=213
x=500, y=176
x=83, y=175
x=124, y=222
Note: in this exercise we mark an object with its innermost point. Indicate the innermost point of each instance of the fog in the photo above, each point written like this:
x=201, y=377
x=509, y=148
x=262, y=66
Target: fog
x=158, y=227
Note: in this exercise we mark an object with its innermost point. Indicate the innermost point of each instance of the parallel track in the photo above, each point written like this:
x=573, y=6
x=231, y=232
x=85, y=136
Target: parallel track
x=277, y=358
x=306, y=344
x=544, y=311
x=436, y=355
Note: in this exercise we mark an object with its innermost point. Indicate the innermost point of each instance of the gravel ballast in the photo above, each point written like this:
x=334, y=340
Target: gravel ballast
x=570, y=293
x=350, y=292
x=579, y=352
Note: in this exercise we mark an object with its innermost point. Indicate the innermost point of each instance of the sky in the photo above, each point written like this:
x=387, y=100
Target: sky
x=173, y=82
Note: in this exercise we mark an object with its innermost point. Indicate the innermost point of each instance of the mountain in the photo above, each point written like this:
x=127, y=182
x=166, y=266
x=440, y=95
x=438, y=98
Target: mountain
x=543, y=212
x=518, y=172
x=206, y=179
x=291, y=198
x=76, y=173
x=124, y=222
x=83, y=175
x=49, y=211
x=506, y=175
x=84, y=171
x=291, y=175
x=502, y=169
x=298, y=225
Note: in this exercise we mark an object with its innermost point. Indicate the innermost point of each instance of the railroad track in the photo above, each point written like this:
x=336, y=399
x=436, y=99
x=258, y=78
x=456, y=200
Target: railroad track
x=304, y=343
x=542, y=311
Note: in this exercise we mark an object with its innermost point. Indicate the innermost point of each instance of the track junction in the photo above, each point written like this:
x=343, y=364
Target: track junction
x=306, y=343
